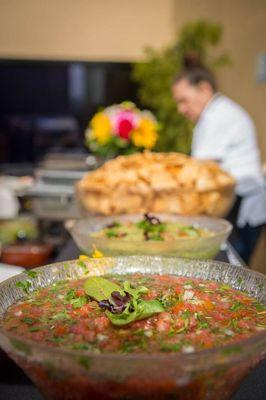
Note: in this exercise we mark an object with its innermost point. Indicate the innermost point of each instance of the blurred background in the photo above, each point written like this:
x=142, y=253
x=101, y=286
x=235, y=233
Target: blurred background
x=61, y=60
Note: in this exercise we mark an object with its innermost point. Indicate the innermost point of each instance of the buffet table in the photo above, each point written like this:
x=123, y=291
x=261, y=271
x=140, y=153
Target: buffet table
x=14, y=384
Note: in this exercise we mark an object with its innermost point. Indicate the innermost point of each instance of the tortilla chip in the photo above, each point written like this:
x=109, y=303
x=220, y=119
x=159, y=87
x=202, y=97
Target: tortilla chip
x=157, y=182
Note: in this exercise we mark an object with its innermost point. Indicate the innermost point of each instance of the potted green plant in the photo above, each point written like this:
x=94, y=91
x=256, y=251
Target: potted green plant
x=155, y=77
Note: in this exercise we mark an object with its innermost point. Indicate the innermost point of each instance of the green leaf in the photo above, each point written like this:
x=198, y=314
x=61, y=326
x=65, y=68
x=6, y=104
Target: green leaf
x=82, y=265
x=61, y=316
x=236, y=306
x=147, y=308
x=190, y=231
x=34, y=328
x=156, y=237
x=147, y=226
x=116, y=224
x=82, y=346
x=70, y=295
x=78, y=302
x=259, y=306
x=153, y=231
x=24, y=285
x=135, y=292
x=31, y=274
x=100, y=289
x=225, y=287
x=121, y=319
x=28, y=320
x=111, y=233
x=142, y=310
x=171, y=347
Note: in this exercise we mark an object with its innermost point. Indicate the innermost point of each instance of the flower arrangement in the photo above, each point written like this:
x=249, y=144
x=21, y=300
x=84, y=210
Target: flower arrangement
x=121, y=129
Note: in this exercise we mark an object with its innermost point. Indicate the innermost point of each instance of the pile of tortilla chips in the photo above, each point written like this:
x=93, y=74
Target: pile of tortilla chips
x=157, y=182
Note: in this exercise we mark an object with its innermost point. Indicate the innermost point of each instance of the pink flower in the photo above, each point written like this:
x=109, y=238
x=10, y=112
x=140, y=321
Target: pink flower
x=125, y=122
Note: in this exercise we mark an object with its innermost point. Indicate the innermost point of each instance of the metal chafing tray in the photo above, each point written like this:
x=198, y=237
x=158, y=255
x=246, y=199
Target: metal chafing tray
x=53, y=194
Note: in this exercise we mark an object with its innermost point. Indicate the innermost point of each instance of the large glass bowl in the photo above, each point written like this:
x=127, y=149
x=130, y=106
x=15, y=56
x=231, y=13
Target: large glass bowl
x=212, y=374
x=200, y=248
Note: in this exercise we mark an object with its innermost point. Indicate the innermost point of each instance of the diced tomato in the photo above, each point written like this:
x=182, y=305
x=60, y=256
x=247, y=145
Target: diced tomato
x=80, y=292
x=164, y=322
x=83, y=311
x=180, y=306
x=60, y=330
x=101, y=323
x=208, y=305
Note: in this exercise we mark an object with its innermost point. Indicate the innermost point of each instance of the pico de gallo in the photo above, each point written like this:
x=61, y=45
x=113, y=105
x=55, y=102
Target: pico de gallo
x=136, y=313
x=150, y=228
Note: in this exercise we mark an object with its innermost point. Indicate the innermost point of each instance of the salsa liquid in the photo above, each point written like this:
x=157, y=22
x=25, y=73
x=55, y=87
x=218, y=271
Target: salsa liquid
x=198, y=315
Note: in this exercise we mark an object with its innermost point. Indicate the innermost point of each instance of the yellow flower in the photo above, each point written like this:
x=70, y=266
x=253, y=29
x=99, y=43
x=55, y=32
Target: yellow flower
x=101, y=128
x=96, y=253
x=145, y=135
x=83, y=257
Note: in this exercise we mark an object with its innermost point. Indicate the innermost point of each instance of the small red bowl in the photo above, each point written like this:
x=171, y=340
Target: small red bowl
x=27, y=255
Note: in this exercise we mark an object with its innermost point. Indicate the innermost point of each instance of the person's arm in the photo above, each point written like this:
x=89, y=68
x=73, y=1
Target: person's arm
x=231, y=141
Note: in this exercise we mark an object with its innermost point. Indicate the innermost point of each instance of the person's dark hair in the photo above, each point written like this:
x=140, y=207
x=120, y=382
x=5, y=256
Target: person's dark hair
x=195, y=72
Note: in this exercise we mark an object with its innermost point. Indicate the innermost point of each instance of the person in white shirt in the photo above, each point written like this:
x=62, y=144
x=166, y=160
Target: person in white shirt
x=224, y=132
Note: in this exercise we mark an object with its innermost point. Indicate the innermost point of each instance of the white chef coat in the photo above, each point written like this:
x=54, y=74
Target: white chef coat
x=225, y=133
